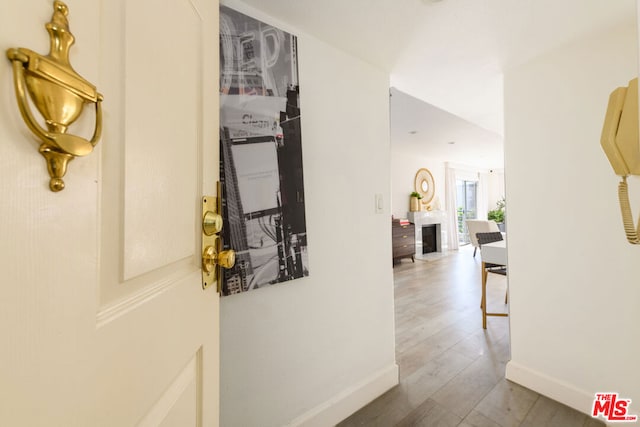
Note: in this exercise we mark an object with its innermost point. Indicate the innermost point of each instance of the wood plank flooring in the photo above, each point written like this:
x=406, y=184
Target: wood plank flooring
x=451, y=370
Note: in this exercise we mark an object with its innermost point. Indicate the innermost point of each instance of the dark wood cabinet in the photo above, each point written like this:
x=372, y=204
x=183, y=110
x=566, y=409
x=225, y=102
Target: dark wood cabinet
x=403, y=240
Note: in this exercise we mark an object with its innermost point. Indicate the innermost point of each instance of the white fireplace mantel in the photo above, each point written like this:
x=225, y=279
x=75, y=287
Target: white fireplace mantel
x=426, y=218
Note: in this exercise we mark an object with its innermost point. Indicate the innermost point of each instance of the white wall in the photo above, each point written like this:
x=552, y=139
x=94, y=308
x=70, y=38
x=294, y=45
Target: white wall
x=405, y=162
x=311, y=351
x=573, y=278
x=495, y=187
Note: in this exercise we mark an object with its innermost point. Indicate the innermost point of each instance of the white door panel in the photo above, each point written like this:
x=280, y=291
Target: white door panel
x=102, y=316
x=155, y=232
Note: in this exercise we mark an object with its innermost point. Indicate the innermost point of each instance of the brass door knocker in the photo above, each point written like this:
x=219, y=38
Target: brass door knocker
x=59, y=94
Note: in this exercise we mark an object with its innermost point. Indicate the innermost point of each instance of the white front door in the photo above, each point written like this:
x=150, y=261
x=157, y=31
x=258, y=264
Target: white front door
x=103, y=320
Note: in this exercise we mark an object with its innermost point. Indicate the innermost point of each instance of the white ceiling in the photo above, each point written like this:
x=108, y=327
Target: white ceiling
x=439, y=135
x=450, y=53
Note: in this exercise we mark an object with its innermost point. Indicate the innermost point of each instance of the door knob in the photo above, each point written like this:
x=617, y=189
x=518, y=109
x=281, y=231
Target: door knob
x=227, y=259
x=211, y=258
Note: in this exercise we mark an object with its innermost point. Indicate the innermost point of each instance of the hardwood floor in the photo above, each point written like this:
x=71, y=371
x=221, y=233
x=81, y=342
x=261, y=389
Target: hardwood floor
x=451, y=370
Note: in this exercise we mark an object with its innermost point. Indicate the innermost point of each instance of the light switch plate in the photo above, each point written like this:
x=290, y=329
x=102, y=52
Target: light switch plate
x=379, y=203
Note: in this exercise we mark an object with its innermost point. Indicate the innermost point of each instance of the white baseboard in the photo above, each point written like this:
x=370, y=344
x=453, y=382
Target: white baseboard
x=349, y=401
x=565, y=393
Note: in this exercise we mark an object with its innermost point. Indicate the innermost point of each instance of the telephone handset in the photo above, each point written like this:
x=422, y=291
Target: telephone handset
x=622, y=147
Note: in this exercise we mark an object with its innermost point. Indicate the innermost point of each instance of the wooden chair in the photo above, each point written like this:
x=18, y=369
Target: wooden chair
x=484, y=238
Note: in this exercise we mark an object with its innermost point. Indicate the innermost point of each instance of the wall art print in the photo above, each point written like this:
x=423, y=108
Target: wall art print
x=260, y=154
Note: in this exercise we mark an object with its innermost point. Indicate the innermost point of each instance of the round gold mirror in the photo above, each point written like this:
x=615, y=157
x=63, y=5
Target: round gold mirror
x=424, y=185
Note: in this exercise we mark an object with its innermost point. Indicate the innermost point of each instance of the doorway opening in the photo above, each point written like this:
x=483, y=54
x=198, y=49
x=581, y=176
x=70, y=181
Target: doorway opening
x=466, y=207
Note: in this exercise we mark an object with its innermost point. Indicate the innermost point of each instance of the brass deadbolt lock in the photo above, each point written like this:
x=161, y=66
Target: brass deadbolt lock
x=211, y=223
x=213, y=257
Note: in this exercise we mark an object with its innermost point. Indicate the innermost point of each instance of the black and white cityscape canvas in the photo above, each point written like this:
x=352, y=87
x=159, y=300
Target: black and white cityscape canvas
x=261, y=154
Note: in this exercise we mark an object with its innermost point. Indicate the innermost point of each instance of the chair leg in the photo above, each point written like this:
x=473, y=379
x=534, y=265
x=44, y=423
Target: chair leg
x=483, y=302
x=474, y=251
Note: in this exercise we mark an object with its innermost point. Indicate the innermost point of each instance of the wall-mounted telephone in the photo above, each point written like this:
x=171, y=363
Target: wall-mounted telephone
x=622, y=147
